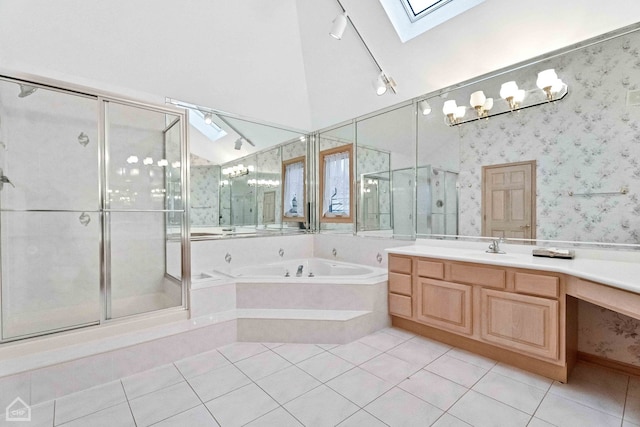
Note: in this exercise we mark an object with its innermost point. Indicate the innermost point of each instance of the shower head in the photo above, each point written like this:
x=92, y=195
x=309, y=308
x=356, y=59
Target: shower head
x=26, y=90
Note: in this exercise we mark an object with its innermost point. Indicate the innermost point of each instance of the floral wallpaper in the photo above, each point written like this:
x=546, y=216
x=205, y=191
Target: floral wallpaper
x=589, y=142
x=608, y=334
x=205, y=185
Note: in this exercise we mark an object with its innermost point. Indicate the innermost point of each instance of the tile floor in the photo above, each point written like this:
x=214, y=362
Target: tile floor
x=390, y=378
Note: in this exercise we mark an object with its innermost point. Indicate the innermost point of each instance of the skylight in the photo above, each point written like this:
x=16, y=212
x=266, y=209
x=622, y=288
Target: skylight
x=211, y=131
x=410, y=18
x=416, y=9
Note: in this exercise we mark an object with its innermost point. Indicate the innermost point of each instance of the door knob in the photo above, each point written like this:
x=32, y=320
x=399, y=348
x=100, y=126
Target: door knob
x=525, y=226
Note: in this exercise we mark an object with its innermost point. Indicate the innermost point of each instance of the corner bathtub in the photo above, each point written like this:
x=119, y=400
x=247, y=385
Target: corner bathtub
x=322, y=270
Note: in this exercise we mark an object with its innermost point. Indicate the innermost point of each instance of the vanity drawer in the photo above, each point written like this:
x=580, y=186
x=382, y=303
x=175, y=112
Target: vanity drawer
x=400, y=283
x=399, y=264
x=537, y=284
x=400, y=305
x=475, y=275
x=432, y=269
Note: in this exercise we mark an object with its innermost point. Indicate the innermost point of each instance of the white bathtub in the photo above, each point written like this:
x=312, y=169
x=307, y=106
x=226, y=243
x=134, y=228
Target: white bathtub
x=313, y=271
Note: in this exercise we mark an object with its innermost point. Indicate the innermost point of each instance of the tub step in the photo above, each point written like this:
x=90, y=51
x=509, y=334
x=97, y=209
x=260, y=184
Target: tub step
x=306, y=326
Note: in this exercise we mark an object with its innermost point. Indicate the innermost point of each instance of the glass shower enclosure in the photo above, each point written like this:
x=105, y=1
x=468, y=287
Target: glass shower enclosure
x=93, y=222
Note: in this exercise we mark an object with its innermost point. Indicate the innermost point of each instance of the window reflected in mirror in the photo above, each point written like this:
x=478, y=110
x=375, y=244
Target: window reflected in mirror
x=336, y=184
x=293, y=193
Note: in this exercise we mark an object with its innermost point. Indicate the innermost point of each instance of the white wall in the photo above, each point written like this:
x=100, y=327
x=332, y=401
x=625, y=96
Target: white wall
x=274, y=60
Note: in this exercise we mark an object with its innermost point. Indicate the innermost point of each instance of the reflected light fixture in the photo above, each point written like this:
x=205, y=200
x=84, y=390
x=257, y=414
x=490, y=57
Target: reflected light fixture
x=339, y=25
x=147, y=161
x=481, y=103
x=208, y=118
x=132, y=159
x=238, y=143
x=549, y=82
x=508, y=92
x=163, y=162
x=449, y=109
x=26, y=90
x=424, y=107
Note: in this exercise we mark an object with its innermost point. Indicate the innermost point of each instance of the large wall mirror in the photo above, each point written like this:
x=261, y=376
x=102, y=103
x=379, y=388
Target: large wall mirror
x=247, y=178
x=566, y=170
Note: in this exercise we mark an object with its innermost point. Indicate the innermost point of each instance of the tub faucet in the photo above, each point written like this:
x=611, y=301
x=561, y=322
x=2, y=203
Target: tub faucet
x=299, y=272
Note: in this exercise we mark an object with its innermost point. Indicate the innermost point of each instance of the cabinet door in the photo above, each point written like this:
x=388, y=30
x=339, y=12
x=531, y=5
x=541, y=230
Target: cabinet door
x=444, y=305
x=520, y=322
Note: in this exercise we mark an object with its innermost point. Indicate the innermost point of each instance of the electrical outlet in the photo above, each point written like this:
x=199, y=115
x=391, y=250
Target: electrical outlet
x=633, y=97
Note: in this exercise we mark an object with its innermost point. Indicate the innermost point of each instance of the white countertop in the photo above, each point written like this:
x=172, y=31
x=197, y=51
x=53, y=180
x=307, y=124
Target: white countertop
x=620, y=270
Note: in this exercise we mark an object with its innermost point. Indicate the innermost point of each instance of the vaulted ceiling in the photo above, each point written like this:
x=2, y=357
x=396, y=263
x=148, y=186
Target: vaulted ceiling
x=273, y=59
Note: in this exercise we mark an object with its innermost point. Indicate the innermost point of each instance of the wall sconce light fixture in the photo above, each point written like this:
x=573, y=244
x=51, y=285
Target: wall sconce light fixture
x=553, y=89
x=549, y=82
x=481, y=103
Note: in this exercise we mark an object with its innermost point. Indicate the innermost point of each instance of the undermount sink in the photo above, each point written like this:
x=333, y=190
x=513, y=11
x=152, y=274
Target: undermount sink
x=487, y=255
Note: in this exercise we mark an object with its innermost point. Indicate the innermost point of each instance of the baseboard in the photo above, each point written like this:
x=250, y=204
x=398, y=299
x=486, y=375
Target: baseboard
x=624, y=368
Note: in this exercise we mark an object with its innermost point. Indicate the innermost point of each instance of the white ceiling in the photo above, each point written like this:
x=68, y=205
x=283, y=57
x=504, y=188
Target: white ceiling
x=274, y=60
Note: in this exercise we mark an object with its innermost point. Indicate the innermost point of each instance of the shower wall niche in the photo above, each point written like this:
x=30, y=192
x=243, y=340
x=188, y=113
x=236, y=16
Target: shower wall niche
x=91, y=193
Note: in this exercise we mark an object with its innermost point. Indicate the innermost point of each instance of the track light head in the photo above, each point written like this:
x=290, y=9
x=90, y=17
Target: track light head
x=208, y=118
x=339, y=25
x=238, y=144
x=382, y=83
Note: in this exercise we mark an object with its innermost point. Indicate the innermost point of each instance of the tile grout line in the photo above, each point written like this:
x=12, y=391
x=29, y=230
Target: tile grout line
x=194, y=392
x=135, y=423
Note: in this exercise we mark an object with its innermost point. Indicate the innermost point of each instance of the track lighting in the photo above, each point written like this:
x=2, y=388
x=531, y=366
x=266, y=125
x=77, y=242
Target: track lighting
x=238, y=144
x=208, y=118
x=339, y=25
x=382, y=83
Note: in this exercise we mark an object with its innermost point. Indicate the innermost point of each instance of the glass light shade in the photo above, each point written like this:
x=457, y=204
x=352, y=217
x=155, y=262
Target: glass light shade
x=132, y=159
x=519, y=96
x=425, y=108
x=546, y=78
x=557, y=86
x=339, y=25
x=508, y=89
x=449, y=107
x=460, y=112
x=477, y=99
x=488, y=104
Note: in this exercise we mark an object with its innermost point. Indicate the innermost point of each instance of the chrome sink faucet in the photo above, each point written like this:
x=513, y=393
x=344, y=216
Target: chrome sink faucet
x=494, y=247
x=299, y=272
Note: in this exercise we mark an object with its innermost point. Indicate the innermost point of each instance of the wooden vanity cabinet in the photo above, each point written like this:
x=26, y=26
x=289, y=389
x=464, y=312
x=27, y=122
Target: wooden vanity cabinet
x=400, y=286
x=512, y=315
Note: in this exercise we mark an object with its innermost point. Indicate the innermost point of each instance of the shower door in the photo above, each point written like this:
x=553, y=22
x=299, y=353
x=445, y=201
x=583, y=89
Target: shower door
x=50, y=225
x=144, y=209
